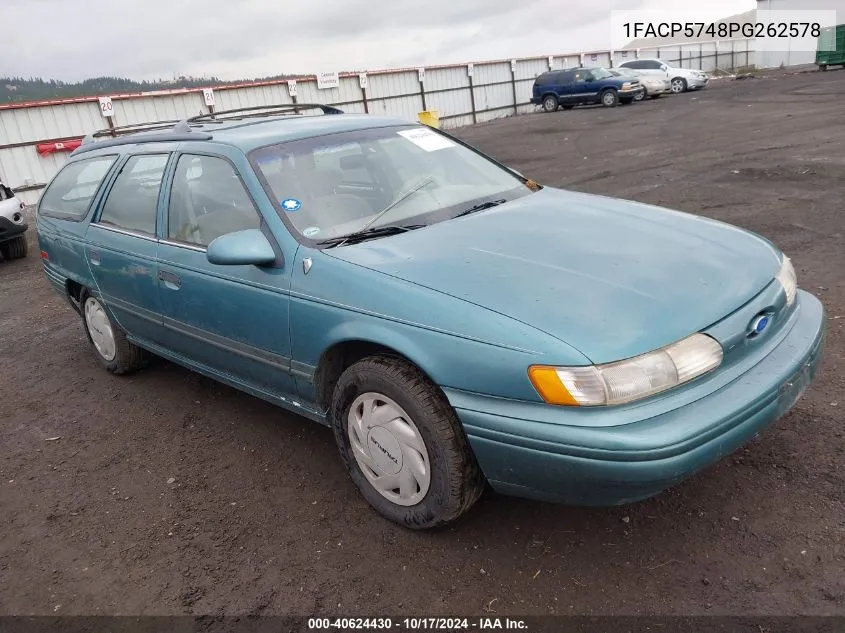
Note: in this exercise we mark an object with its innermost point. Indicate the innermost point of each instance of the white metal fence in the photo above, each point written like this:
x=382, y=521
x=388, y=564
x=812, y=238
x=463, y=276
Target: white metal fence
x=462, y=94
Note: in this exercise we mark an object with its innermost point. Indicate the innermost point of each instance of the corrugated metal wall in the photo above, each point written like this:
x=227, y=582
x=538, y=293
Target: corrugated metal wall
x=462, y=97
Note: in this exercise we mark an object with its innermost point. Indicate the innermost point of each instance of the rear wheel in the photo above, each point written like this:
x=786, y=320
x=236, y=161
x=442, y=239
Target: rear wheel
x=111, y=347
x=679, y=84
x=609, y=98
x=16, y=248
x=550, y=103
x=402, y=444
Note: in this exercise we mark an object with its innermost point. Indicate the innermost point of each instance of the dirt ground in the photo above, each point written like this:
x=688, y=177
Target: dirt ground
x=169, y=494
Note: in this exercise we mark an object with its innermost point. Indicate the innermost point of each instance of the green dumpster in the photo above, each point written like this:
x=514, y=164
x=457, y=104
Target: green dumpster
x=831, y=47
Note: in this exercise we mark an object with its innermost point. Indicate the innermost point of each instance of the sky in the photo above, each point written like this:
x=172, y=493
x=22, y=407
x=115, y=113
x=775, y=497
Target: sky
x=71, y=40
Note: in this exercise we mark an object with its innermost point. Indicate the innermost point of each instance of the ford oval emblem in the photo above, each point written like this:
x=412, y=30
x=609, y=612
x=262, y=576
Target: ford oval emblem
x=759, y=324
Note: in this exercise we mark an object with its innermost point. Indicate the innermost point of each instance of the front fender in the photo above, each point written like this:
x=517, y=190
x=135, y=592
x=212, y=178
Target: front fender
x=456, y=343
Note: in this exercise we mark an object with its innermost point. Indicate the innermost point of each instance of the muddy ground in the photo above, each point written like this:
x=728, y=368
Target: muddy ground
x=259, y=518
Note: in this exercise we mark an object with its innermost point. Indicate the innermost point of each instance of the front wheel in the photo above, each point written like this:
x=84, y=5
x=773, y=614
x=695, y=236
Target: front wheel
x=16, y=248
x=609, y=98
x=640, y=96
x=679, y=84
x=550, y=103
x=402, y=444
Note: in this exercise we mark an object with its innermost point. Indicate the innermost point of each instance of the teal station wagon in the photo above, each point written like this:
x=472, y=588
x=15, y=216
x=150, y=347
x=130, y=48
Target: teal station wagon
x=454, y=323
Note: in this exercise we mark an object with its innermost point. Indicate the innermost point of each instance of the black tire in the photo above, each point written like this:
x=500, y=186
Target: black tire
x=823, y=67
x=609, y=98
x=640, y=96
x=128, y=357
x=456, y=481
x=15, y=248
x=550, y=103
x=568, y=106
x=679, y=85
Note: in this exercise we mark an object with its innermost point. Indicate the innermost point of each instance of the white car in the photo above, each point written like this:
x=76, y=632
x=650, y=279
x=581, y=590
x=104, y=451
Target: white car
x=681, y=79
x=12, y=225
x=653, y=86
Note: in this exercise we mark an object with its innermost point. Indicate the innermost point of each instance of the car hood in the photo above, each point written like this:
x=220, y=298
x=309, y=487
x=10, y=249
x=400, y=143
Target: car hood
x=609, y=277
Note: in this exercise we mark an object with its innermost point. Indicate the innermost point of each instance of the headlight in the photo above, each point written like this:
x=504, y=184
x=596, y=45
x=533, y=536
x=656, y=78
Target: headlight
x=628, y=380
x=626, y=85
x=788, y=280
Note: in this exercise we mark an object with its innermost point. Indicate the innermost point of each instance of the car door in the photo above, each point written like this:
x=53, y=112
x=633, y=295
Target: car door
x=122, y=245
x=563, y=86
x=654, y=68
x=232, y=320
x=584, y=87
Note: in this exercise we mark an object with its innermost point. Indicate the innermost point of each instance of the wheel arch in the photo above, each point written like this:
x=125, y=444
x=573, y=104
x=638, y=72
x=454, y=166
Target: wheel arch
x=345, y=352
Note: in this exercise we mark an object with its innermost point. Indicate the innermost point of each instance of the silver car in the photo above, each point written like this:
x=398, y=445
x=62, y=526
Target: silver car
x=13, y=225
x=654, y=86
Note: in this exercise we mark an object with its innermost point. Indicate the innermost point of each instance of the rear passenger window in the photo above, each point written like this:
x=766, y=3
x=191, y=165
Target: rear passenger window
x=208, y=200
x=133, y=200
x=70, y=193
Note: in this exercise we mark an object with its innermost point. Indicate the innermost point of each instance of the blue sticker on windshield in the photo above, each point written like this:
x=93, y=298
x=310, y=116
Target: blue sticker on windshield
x=311, y=231
x=291, y=204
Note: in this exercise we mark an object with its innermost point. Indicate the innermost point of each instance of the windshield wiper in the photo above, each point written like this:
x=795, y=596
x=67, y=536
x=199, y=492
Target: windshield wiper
x=481, y=207
x=366, y=234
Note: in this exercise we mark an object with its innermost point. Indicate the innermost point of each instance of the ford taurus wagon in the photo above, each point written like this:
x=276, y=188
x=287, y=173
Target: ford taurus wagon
x=455, y=323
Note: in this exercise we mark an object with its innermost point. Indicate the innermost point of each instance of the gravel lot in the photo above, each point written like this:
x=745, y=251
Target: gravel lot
x=167, y=493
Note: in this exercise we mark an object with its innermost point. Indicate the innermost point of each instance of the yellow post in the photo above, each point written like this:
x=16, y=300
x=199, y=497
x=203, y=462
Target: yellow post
x=430, y=118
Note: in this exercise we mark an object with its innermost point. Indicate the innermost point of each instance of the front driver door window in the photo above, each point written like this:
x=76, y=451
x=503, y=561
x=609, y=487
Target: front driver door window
x=229, y=319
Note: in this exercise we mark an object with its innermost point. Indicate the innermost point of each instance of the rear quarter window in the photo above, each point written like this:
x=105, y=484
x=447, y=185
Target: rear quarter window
x=70, y=193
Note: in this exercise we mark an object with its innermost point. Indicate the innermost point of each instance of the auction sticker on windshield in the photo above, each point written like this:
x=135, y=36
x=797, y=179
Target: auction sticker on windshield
x=426, y=139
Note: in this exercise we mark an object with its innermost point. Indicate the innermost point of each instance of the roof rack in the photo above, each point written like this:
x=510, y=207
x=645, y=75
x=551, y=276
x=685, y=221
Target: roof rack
x=171, y=131
x=132, y=128
x=265, y=110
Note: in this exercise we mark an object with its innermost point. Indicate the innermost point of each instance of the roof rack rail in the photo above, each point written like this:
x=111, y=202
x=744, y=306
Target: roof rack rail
x=132, y=128
x=265, y=110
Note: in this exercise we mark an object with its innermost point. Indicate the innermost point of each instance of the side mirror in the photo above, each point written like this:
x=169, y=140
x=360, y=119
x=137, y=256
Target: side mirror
x=241, y=248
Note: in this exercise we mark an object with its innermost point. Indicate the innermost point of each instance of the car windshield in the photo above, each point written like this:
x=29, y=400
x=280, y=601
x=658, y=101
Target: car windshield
x=334, y=185
x=601, y=73
x=625, y=72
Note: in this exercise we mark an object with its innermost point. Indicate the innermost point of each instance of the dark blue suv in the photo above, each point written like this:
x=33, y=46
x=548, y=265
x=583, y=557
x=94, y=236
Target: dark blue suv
x=569, y=88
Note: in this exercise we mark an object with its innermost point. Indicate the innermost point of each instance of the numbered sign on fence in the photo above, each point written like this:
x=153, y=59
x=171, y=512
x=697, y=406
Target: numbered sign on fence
x=292, y=87
x=363, y=81
x=421, y=74
x=106, y=108
x=208, y=96
x=470, y=68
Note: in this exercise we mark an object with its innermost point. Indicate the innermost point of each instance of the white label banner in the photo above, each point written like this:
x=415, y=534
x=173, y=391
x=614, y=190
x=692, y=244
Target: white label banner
x=328, y=80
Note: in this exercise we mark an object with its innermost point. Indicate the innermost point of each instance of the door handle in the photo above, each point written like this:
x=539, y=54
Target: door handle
x=170, y=280
x=94, y=256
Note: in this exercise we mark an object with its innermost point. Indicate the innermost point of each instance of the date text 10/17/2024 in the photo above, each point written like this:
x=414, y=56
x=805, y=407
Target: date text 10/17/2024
x=417, y=624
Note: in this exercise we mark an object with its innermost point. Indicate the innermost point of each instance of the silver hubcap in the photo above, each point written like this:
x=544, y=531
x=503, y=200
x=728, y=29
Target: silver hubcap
x=100, y=329
x=608, y=99
x=677, y=86
x=389, y=449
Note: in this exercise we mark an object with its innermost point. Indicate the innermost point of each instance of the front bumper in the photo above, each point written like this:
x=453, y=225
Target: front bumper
x=636, y=452
x=10, y=229
x=697, y=84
